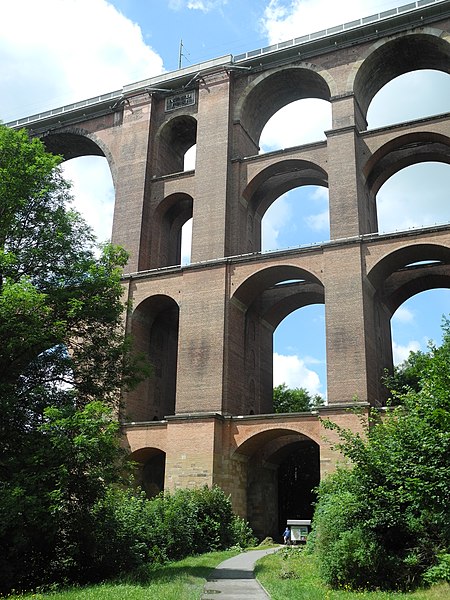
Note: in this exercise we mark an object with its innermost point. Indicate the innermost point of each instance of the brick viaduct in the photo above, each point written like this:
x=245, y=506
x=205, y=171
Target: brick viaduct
x=205, y=416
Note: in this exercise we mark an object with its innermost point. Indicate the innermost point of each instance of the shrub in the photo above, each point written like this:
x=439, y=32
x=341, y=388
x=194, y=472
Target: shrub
x=132, y=532
x=440, y=571
x=242, y=533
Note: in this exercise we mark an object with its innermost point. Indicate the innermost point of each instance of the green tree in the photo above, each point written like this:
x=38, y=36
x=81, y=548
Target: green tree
x=409, y=374
x=63, y=361
x=289, y=400
x=384, y=522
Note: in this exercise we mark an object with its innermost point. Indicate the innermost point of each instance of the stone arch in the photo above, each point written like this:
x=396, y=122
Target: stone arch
x=173, y=140
x=280, y=177
x=409, y=271
x=154, y=328
x=282, y=470
x=250, y=443
x=268, y=278
x=257, y=307
x=391, y=57
x=73, y=142
x=272, y=182
x=150, y=471
x=170, y=216
x=272, y=90
x=395, y=278
x=403, y=151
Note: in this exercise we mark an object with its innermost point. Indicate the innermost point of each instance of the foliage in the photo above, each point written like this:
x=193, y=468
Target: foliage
x=383, y=523
x=63, y=362
x=289, y=400
x=242, y=533
x=176, y=580
x=293, y=574
x=408, y=375
x=133, y=532
x=439, y=571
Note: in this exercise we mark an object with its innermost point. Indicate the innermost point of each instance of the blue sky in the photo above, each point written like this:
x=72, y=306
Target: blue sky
x=54, y=52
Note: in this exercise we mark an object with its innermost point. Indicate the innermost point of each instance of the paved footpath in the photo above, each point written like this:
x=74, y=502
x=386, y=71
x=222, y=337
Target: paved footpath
x=234, y=579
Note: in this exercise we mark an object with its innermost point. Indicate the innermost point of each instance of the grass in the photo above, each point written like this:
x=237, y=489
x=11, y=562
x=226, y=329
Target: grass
x=293, y=575
x=181, y=580
x=287, y=575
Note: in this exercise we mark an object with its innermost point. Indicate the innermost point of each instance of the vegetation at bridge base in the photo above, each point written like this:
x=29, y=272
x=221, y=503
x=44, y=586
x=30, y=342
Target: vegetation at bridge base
x=384, y=523
x=63, y=362
x=135, y=533
x=293, y=574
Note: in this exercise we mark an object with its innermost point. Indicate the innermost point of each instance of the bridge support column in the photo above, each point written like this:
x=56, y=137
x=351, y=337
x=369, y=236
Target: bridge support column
x=209, y=228
x=352, y=211
x=129, y=228
x=194, y=443
x=201, y=348
x=346, y=328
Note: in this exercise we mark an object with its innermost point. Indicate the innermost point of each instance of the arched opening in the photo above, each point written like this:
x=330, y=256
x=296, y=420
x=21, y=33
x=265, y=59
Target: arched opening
x=413, y=95
x=400, y=276
x=154, y=328
x=298, y=476
x=175, y=138
x=395, y=57
x=300, y=187
x=186, y=242
x=299, y=359
x=414, y=197
x=190, y=158
x=269, y=93
x=282, y=470
x=172, y=230
x=93, y=192
x=150, y=471
x=300, y=122
x=90, y=167
x=298, y=217
x=417, y=321
x=263, y=301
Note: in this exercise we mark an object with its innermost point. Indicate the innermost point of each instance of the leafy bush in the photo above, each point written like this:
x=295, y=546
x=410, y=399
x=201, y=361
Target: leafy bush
x=382, y=523
x=440, y=571
x=242, y=533
x=132, y=532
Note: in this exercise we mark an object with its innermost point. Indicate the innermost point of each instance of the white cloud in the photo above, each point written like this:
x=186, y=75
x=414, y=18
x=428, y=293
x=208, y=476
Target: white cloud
x=403, y=315
x=93, y=192
x=319, y=221
x=190, y=157
x=284, y=20
x=54, y=52
x=300, y=122
x=274, y=219
x=202, y=5
x=293, y=371
x=411, y=96
x=415, y=197
x=401, y=353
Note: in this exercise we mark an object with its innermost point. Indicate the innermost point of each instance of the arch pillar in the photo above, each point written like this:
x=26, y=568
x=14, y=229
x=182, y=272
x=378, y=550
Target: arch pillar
x=194, y=446
x=352, y=209
x=130, y=212
x=200, y=378
x=346, y=112
x=209, y=228
x=351, y=340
